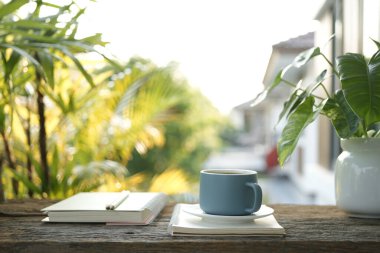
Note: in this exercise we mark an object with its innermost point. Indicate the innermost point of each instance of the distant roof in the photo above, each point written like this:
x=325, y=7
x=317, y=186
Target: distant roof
x=292, y=45
x=305, y=41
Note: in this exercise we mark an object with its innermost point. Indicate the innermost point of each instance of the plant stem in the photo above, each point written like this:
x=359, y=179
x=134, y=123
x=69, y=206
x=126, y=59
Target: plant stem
x=294, y=86
x=29, y=153
x=324, y=88
x=2, y=195
x=289, y=83
x=365, y=129
x=11, y=163
x=42, y=136
x=330, y=63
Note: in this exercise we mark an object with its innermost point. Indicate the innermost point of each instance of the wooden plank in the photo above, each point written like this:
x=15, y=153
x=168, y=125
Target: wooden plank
x=309, y=229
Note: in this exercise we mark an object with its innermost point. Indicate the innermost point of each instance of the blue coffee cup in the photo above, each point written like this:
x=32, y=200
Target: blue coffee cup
x=229, y=192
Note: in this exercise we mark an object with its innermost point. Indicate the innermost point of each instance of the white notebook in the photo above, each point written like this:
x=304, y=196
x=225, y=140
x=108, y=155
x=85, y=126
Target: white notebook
x=185, y=224
x=138, y=208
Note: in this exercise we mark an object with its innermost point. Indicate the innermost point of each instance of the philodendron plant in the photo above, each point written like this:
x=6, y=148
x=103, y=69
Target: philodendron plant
x=353, y=109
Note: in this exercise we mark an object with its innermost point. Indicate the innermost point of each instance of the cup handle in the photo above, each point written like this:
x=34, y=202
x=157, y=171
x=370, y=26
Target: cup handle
x=258, y=197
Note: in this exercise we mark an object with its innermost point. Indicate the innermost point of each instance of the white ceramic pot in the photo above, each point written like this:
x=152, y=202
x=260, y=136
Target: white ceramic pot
x=357, y=177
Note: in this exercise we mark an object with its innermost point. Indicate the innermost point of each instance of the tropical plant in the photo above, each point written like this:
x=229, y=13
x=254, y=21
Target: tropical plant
x=33, y=48
x=353, y=109
x=154, y=123
x=68, y=125
x=189, y=139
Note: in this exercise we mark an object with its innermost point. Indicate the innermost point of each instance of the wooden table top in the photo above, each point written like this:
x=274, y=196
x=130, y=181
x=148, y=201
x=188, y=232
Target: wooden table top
x=308, y=229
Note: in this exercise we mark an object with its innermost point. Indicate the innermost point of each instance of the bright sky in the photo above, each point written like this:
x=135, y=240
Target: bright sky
x=222, y=46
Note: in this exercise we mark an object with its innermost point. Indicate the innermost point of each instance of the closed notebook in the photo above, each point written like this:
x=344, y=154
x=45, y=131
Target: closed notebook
x=185, y=224
x=138, y=208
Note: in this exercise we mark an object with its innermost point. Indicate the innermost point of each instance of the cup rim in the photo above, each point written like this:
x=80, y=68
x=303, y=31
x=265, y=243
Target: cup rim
x=236, y=172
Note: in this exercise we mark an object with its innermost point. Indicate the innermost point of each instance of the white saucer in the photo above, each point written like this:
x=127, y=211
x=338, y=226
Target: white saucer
x=197, y=211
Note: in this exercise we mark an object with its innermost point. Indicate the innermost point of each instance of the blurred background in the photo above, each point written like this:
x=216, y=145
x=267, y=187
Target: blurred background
x=143, y=94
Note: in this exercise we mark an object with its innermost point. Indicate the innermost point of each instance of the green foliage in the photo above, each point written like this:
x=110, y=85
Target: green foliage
x=361, y=85
x=302, y=116
x=31, y=45
x=68, y=125
x=353, y=110
x=189, y=138
x=345, y=121
x=11, y=7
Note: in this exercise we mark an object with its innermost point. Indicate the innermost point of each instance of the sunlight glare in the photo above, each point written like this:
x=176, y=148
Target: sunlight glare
x=222, y=47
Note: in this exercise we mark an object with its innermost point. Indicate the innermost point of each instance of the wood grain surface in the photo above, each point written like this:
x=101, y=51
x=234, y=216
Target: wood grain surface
x=308, y=229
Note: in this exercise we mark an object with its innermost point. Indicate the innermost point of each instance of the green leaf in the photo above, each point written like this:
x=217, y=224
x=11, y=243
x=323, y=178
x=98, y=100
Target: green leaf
x=2, y=118
x=11, y=64
x=287, y=105
x=94, y=40
x=78, y=47
x=36, y=165
x=90, y=176
x=54, y=170
x=47, y=64
x=81, y=47
x=31, y=36
x=361, y=85
x=279, y=77
x=317, y=81
x=130, y=93
x=57, y=99
x=73, y=32
x=80, y=67
x=20, y=80
x=33, y=24
x=51, y=5
x=72, y=102
x=294, y=100
x=277, y=80
x=344, y=120
x=68, y=53
x=299, y=95
x=69, y=24
x=305, y=57
x=24, y=179
x=54, y=167
x=26, y=55
x=11, y=7
x=377, y=43
x=297, y=122
x=259, y=98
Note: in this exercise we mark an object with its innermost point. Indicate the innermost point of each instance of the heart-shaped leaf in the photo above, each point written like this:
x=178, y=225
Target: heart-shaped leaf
x=299, y=95
x=317, y=81
x=297, y=122
x=361, y=85
x=296, y=98
x=306, y=56
x=344, y=120
x=286, y=109
x=277, y=80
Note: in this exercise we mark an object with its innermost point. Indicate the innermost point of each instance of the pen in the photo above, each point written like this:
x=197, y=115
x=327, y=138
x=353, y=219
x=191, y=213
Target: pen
x=114, y=204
